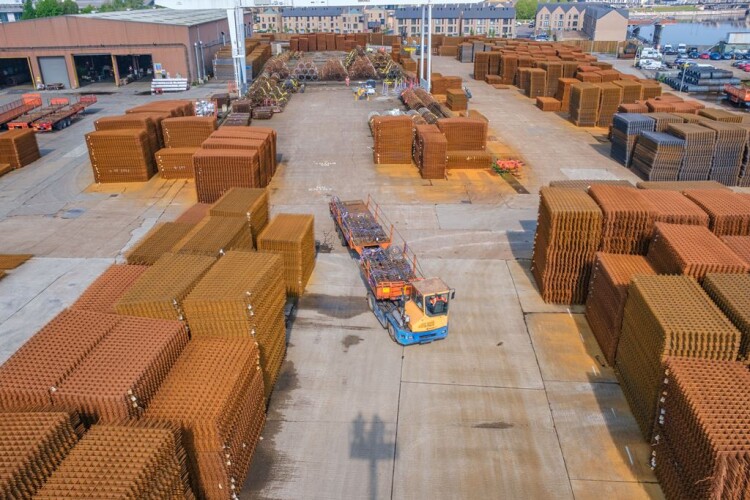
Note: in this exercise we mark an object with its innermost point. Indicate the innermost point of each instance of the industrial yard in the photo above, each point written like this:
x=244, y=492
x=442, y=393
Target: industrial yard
x=518, y=401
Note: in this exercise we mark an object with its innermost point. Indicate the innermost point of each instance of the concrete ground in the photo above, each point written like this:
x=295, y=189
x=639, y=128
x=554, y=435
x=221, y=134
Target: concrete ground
x=516, y=402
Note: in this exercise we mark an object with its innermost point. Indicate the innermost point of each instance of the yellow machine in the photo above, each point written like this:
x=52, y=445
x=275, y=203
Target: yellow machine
x=426, y=310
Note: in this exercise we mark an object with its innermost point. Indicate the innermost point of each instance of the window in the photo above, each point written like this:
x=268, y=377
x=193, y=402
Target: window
x=466, y=30
x=263, y=26
x=438, y=29
x=450, y=29
x=559, y=23
x=355, y=26
x=437, y=304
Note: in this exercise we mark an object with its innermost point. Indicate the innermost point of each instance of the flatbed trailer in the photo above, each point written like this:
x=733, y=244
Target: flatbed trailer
x=357, y=226
x=20, y=107
x=737, y=95
x=388, y=272
x=64, y=116
x=27, y=119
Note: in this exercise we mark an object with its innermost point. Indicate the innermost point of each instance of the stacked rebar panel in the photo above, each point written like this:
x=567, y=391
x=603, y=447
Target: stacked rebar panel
x=607, y=293
x=160, y=240
x=466, y=142
x=394, y=137
x=430, y=152
x=744, y=177
x=658, y=156
x=554, y=72
x=699, y=146
x=729, y=147
x=663, y=120
x=243, y=295
x=158, y=293
x=32, y=445
x=173, y=107
x=247, y=203
x=729, y=213
x=625, y=130
x=731, y=292
x=701, y=448
x=721, y=115
x=214, y=392
x=585, y=184
x=195, y=214
x=130, y=460
x=102, y=295
x=584, y=104
x=123, y=155
x=666, y=316
x=628, y=219
x=537, y=86
x=456, y=100
x=680, y=185
x=673, y=207
x=569, y=230
x=265, y=134
x=292, y=236
x=548, y=104
x=740, y=245
x=18, y=147
x=139, y=121
x=631, y=91
x=215, y=235
x=187, y=131
x=563, y=91
x=610, y=98
x=175, y=163
x=248, y=143
x=218, y=170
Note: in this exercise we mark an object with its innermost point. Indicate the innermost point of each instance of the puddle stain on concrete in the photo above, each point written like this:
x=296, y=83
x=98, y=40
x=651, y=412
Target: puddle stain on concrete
x=351, y=340
x=494, y=425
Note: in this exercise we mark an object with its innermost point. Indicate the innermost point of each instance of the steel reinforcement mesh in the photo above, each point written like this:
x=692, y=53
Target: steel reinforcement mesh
x=658, y=156
x=159, y=292
x=729, y=148
x=610, y=97
x=699, y=147
x=740, y=245
x=691, y=250
x=215, y=235
x=143, y=459
x=673, y=207
x=464, y=134
x=118, y=378
x=584, y=104
x=218, y=170
x=721, y=115
x=430, y=152
x=731, y=292
x=121, y=155
x=569, y=230
x=729, y=212
x=12, y=261
x=393, y=139
x=173, y=107
x=132, y=121
x=102, y=295
x=247, y=203
x=29, y=376
x=608, y=290
x=680, y=185
x=175, y=163
x=160, y=240
x=243, y=295
x=187, y=131
x=214, y=392
x=585, y=184
x=292, y=236
x=32, y=445
x=701, y=447
x=195, y=213
x=628, y=219
x=260, y=145
x=18, y=147
x=264, y=133
x=469, y=159
x=666, y=316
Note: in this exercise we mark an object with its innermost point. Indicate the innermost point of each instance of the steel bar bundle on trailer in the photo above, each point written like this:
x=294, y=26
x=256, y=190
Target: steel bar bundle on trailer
x=292, y=236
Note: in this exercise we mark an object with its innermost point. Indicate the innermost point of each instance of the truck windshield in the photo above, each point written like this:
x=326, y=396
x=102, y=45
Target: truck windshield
x=437, y=304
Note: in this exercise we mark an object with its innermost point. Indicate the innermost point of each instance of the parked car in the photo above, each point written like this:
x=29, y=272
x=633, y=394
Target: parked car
x=693, y=55
x=714, y=56
x=650, y=64
x=532, y=24
x=704, y=55
x=669, y=50
x=728, y=56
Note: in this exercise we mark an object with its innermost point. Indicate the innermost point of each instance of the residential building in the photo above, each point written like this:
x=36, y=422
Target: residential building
x=267, y=20
x=10, y=10
x=446, y=20
x=455, y=20
x=379, y=20
x=331, y=19
x=489, y=20
x=596, y=21
x=560, y=16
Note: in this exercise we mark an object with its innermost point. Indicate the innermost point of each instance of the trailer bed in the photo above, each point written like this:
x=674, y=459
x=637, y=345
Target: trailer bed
x=388, y=272
x=18, y=108
x=358, y=226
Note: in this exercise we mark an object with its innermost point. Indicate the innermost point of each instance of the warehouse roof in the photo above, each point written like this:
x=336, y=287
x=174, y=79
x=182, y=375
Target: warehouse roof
x=489, y=13
x=162, y=16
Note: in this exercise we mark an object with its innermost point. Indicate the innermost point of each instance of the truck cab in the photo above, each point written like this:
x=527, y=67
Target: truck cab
x=426, y=311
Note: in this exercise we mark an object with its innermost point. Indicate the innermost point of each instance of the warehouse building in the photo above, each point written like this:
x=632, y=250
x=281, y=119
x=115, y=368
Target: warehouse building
x=107, y=47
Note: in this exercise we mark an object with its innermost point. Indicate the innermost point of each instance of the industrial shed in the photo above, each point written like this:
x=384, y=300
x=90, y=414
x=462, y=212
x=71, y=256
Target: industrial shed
x=80, y=49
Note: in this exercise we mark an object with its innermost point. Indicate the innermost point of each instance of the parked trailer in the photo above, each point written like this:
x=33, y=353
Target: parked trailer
x=357, y=226
x=64, y=116
x=738, y=95
x=20, y=107
x=26, y=120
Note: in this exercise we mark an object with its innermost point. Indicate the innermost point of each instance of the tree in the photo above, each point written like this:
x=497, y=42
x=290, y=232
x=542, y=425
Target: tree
x=526, y=9
x=87, y=10
x=48, y=8
x=29, y=12
x=69, y=7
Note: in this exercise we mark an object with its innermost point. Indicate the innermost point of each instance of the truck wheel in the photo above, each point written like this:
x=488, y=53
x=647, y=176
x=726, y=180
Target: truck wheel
x=371, y=302
x=392, y=331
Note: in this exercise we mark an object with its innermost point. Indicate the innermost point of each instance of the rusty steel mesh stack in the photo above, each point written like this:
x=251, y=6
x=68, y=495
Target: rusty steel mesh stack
x=430, y=152
x=18, y=147
x=631, y=91
x=123, y=155
x=49, y=356
x=187, y=131
x=464, y=134
x=214, y=392
x=666, y=316
x=626, y=127
x=681, y=185
x=195, y=214
x=721, y=115
x=118, y=378
x=215, y=235
x=159, y=292
x=243, y=295
x=658, y=156
x=172, y=107
x=292, y=236
x=144, y=459
x=731, y=140
x=456, y=99
x=254, y=144
x=731, y=292
x=585, y=184
x=569, y=229
x=740, y=245
x=102, y=295
x=175, y=163
x=699, y=146
x=537, y=83
x=394, y=137
x=548, y=104
x=32, y=445
x=554, y=71
x=584, y=104
x=608, y=290
x=160, y=240
x=701, y=447
x=563, y=92
x=218, y=170
x=729, y=212
x=673, y=207
x=610, y=97
x=140, y=121
x=628, y=219
x=691, y=250
x=663, y=120
x=246, y=203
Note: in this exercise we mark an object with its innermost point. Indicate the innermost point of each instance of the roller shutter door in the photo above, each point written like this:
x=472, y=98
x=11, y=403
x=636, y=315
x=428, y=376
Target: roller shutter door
x=54, y=70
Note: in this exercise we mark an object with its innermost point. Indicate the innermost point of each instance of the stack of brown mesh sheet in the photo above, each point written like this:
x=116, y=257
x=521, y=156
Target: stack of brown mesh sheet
x=118, y=378
x=680, y=185
x=740, y=245
x=32, y=445
x=246, y=203
x=160, y=240
x=237, y=120
x=240, y=282
x=394, y=137
x=585, y=184
x=563, y=92
x=537, y=83
x=262, y=146
x=175, y=163
x=107, y=289
x=173, y=107
x=569, y=229
x=631, y=91
x=5, y=168
x=215, y=394
x=731, y=292
x=701, y=447
x=610, y=97
x=215, y=235
x=691, y=250
x=481, y=65
x=731, y=140
x=632, y=108
x=584, y=104
x=456, y=100
x=195, y=213
x=464, y=134
x=187, y=131
x=699, y=147
x=608, y=290
x=18, y=147
x=43, y=362
x=626, y=127
x=663, y=120
x=650, y=89
x=292, y=236
x=721, y=115
x=218, y=170
x=548, y=104
x=673, y=207
x=123, y=155
x=628, y=219
x=158, y=292
x=144, y=459
x=729, y=212
x=554, y=71
x=12, y=261
x=468, y=160
x=430, y=152
x=666, y=316
x=268, y=135
x=658, y=156
x=139, y=121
